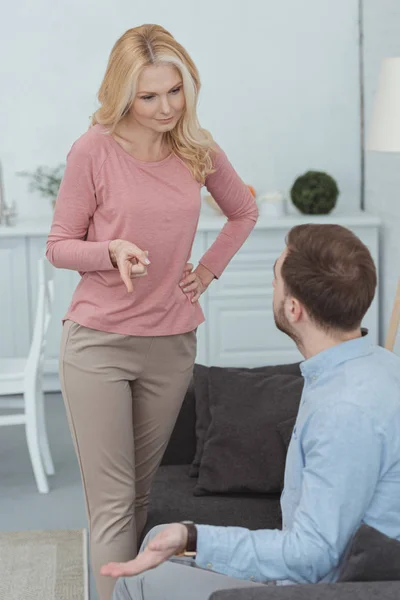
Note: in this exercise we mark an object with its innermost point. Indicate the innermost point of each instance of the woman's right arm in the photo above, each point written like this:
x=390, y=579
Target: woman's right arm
x=67, y=247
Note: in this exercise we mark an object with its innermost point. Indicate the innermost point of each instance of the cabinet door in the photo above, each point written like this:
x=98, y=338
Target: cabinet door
x=240, y=313
x=241, y=325
x=243, y=334
x=15, y=324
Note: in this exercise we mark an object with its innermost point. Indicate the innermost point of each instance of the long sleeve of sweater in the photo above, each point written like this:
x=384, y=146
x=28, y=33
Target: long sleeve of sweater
x=67, y=246
x=237, y=203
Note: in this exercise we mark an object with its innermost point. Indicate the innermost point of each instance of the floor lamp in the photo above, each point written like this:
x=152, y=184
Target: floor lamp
x=384, y=136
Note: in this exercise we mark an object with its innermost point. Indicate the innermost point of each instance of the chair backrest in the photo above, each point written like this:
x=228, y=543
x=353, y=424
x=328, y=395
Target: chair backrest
x=45, y=300
x=394, y=322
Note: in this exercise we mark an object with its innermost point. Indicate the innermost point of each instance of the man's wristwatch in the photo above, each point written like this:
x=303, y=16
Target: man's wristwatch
x=191, y=544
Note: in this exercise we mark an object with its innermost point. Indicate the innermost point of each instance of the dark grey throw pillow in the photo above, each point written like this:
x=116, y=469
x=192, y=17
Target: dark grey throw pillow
x=286, y=429
x=372, y=556
x=243, y=450
x=203, y=415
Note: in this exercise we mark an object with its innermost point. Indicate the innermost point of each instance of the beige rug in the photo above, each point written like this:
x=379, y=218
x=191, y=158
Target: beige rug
x=44, y=565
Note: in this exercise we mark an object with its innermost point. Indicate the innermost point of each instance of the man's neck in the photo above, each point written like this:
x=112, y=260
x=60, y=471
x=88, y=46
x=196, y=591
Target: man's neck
x=315, y=341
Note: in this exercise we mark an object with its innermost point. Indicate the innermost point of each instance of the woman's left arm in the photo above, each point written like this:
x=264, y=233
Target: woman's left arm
x=237, y=203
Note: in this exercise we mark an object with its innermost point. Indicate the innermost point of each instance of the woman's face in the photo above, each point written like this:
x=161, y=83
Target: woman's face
x=159, y=101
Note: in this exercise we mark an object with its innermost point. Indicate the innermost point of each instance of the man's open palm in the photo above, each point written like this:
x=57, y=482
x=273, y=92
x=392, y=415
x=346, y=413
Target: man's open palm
x=168, y=542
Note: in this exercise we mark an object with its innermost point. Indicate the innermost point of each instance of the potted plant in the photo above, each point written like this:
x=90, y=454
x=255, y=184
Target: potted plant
x=314, y=193
x=46, y=181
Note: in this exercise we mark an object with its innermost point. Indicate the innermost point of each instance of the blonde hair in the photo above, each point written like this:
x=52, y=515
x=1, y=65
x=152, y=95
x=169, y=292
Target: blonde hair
x=136, y=49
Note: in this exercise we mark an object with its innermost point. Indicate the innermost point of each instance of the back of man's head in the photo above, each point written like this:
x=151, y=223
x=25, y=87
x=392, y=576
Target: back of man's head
x=331, y=272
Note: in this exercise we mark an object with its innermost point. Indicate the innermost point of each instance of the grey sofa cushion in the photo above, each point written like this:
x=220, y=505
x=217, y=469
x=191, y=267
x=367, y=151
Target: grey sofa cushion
x=243, y=451
x=372, y=556
x=172, y=500
x=203, y=415
x=321, y=591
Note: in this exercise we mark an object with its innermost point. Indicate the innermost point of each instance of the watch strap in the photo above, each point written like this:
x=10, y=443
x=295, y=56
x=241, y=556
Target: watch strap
x=191, y=544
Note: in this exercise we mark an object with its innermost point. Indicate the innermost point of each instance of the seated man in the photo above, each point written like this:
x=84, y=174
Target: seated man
x=343, y=462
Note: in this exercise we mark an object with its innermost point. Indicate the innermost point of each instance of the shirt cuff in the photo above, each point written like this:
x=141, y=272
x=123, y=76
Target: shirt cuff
x=107, y=258
x=211, y=553
x=211, y=266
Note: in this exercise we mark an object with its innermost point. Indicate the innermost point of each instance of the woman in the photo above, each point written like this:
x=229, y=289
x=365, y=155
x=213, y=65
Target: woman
x=125, y=218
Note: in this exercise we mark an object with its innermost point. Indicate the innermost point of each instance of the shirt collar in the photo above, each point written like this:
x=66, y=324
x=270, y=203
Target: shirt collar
x=314, y=366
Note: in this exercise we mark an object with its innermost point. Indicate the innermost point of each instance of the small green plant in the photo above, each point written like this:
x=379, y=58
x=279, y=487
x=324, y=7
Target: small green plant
x=314, y=193
x=45, y=180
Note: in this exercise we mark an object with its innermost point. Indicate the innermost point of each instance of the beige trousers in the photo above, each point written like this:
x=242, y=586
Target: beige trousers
x=122, y=395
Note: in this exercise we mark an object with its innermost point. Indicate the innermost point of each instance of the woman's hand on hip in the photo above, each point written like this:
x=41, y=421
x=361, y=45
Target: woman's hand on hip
x=130, y=260
x=195, y=282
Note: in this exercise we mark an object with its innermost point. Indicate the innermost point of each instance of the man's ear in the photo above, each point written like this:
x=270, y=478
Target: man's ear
x=295, y=310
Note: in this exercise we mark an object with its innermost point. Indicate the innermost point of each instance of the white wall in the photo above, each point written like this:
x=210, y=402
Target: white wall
x=382, y=191
x=280, y=83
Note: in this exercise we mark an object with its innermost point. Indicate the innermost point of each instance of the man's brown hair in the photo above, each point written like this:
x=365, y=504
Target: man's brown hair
x=331, y=272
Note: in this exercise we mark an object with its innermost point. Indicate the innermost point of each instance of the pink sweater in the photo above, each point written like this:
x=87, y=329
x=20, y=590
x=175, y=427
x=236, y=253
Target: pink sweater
x=107, y=194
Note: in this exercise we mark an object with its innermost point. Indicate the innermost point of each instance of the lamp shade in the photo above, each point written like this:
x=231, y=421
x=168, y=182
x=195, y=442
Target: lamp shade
x=384, y=128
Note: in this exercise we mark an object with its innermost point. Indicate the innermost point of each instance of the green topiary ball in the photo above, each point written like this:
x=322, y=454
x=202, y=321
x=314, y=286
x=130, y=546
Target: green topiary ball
x=314, y=193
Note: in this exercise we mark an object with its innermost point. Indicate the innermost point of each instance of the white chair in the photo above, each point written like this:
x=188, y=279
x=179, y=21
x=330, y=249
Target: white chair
x=20, y=376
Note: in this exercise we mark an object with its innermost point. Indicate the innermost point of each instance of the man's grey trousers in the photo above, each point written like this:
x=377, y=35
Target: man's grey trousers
x=176, y=579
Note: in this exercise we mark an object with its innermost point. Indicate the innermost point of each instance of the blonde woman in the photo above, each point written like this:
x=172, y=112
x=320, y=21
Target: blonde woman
x=125, y=218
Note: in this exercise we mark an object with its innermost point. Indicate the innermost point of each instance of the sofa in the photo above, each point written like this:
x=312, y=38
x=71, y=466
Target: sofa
x=381, y=590
x=172, y=499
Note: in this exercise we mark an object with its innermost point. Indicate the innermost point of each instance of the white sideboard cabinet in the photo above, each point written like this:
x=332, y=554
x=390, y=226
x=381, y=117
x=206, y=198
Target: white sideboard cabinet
x=239, y=328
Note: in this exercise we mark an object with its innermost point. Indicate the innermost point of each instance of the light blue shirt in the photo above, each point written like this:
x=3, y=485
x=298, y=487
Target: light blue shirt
x=342, y=469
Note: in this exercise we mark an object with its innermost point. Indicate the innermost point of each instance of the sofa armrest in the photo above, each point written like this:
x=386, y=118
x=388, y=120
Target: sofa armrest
x=385, y=590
